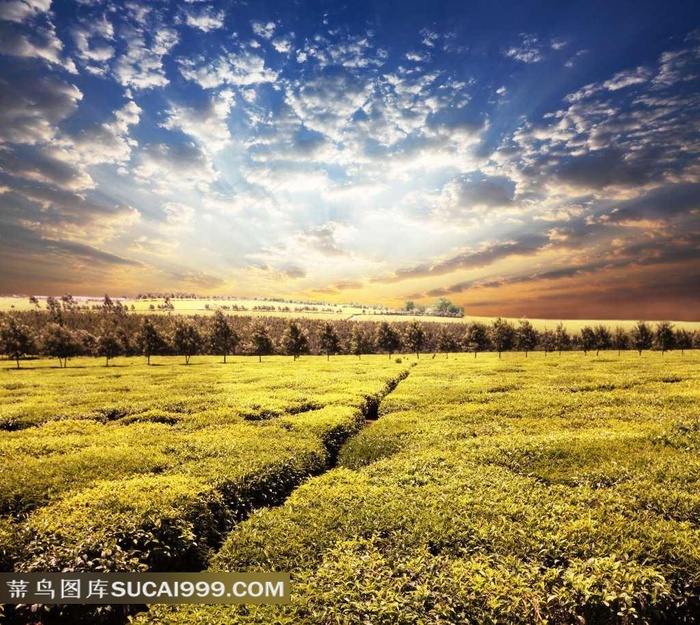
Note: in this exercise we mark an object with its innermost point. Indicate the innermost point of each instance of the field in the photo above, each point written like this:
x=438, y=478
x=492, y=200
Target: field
x=558, y=489
x=330, y=311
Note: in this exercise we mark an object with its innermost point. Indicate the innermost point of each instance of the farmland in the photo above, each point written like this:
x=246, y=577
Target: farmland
x=512, y=490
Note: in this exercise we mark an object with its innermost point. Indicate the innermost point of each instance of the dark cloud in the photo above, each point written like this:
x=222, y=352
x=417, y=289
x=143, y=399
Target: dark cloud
x=663, y=203
x=528, y=245
x=605, y=168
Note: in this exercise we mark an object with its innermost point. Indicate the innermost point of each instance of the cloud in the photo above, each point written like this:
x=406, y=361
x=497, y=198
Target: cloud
x=41, y=42
x=22, y=10
x=31, y=108
x=530, y=50
x=207, y=124
x=242, y=68
x=484, y=255
x=141, y=67
x=174, y=167
x=265, y=31
x=205, y=19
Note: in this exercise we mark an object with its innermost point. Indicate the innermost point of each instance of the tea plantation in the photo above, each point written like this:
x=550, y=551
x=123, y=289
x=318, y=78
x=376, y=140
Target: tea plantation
x=540, y=490
x=558, y=489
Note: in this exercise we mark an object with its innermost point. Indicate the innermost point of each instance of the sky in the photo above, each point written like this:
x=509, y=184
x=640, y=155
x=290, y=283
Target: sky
x=519, y=158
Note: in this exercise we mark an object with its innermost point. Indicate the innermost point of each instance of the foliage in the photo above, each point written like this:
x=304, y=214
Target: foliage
x=502, y=336
x=16, y=340
x=295, y=340
x=414, y=337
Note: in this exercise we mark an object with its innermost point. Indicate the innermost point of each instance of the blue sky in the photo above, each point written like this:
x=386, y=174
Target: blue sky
x=518, y=158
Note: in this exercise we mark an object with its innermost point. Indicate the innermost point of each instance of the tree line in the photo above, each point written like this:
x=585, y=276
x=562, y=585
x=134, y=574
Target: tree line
x=63, y=333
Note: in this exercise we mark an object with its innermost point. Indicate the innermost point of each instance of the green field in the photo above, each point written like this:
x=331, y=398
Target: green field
x=558, y=489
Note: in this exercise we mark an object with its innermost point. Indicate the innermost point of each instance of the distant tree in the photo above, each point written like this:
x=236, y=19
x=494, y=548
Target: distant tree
x=587, y=339
x=360, y=340
x=684, y=339
x=34, y=301
x=329, y=341
x=548, y=341
x=476, y=338
x=664, y=338
x=16, y=340
x=696, y=339
x=502, y=335
x=186, y=339
x=295, y=341
x=526, y=336
x=414, y=337
x=387, y=339
x=641, y=336
x=260, y=341
x=562, y=340
x=446, y=308
x=108, y=345
x=59, y=342
x=54, y=308
x=148, y=340
x=87, y=343
x=167, y=304
x=223, y=339
x=446, y=341
x=620, y=339
x=410, y=306
x=107, y=304
x=603, y=339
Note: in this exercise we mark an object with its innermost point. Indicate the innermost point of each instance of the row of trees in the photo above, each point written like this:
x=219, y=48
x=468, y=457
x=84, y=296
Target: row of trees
x=119, y=335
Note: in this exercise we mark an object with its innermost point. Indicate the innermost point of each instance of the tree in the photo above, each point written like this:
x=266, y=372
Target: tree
x=410, y=306
x=620, y=340
x=261, y=341
x=186, y=339
x=562, y=340
x=476, y=338
x=360, y=341
x=446, y=341
x=108, y=345
x=684, y=339
x=16, y=339
x=148, y=340
x=54, y=308
x=59, y=342
x=223, y=339
x=603, y=338
x=502, y=335
x=641, y=336
x=548, y=341
x=295, y=340
x=329, y=340
x=526, y=336
x=33, y=300
x=588, y=339
x=387, y=338
x=414, y=337
x=663, y=336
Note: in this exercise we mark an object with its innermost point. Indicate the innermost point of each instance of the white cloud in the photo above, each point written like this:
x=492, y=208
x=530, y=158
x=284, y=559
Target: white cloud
x=170, y=169
x=206, y=19
x=266, y=31
x=208, y=125
x=141, y=67
x=20, y=10
x=240, y=69
x=529, y=51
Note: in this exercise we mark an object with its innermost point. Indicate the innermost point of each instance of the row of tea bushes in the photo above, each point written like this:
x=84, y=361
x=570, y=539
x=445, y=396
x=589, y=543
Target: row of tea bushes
x=464, y=504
